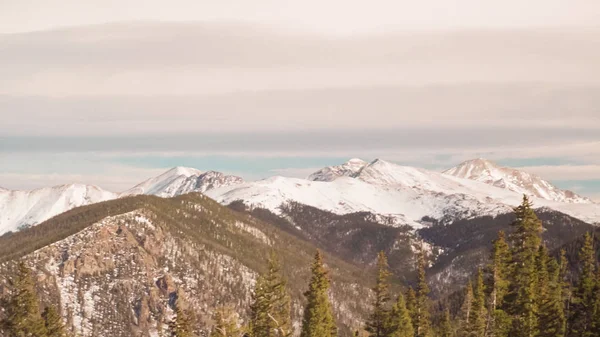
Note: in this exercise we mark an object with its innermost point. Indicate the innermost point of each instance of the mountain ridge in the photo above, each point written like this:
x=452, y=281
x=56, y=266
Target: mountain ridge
x=405, y=193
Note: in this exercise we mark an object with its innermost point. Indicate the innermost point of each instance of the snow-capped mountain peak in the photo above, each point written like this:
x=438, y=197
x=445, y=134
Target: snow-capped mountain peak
x=330, y=173
x=20, y=209
x=182, y=180
x=488, y=172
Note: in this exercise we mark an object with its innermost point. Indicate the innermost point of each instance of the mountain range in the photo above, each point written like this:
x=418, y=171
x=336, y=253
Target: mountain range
x=409, y=195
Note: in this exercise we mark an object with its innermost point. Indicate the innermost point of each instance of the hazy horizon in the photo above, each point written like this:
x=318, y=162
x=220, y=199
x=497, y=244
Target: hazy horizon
x=232, y=87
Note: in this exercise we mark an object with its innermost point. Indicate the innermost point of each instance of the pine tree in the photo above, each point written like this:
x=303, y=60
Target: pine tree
x=596, y=308
x=270, y=309
x=377, y=323
x=566, y=287
x=422, y=322
x=525, y=244
x=22, y=313
x=479, y=314
x=411, y=304
x=583, y=302
x=181, y=325
x=318, y=318
x=400, y=323
x=498, y=324
x=466, y=312
x=53, y=322
x=500, y=269
x=225, y=324
x=446, y=329
x=552, y=322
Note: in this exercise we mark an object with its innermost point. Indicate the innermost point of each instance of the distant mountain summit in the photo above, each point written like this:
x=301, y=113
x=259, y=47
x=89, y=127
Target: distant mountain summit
x=20, y=209
x=182, y=180
x=330, y=173
x=488, y=172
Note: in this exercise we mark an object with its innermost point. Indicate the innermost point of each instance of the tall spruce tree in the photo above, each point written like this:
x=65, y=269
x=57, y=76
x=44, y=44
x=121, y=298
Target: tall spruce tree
x=22, y=312
x=53, y=322
x=400, y=323
x=596, y=308
x=422, y=321
x=318, y=318
x=583, y=301
x=270, y=308
x=498, y=324
x=566, y=287
x=466, y=312
x=411, y=304
x=551, y=320
x=377, y=324
x=526, y=240
x=479, y=313
x=446, y=329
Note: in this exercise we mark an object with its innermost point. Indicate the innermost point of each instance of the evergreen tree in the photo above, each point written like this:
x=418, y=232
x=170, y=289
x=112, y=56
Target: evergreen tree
x=583, y=302
x=498, y=284
x=318, y=318
x=596, y=308
x=566, y=287
x=499, y=280
x=225, y=324
x=422, y=322
x=525, y=244
x=400, y=323
x=411, y=304
x=181, y=325
x=270, y=309
x=479, y=314
x=53, y=322
x=446, y=329
x=23, y=317
x=466, y=312
x=552, y=322
x=377, y=323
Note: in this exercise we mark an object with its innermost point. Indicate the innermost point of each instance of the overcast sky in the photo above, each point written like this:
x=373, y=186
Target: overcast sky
x=112, y=92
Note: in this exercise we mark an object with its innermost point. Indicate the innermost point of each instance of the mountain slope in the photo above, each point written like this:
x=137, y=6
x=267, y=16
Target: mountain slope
x=117, y=268
x=182, y=180
x=514, y=180
x=20, y=209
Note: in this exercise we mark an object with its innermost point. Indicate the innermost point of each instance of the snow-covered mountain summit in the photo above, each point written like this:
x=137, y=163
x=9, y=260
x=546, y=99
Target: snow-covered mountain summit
x=182, y=180
x=330, y=173
x=408, y=194
x=20, y=209
x=514, y=180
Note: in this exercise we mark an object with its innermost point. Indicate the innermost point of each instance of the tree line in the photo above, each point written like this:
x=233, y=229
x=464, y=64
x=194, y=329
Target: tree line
x=523, y=292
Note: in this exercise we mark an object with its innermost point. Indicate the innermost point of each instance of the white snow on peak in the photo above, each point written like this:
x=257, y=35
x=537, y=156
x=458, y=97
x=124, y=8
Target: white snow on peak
x=20, y=209
x=182, y=180
x=330, y=173
x=406, y=193
x=514, y=180
x=385, y=188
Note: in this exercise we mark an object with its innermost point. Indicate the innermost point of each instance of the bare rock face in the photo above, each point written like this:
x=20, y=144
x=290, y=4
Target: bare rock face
x=124, y=275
